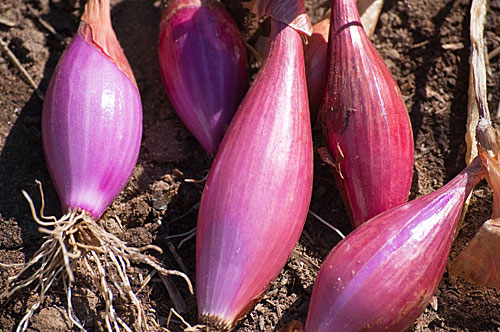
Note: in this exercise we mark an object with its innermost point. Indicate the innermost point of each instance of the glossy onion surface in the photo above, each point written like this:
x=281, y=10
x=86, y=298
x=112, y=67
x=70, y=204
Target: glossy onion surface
x=365, y=121
x=257, y=195
x=203, y=65
x=91, y=126
x=381, y=276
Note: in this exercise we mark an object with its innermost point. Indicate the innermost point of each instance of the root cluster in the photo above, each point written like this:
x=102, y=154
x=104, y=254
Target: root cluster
x=76, y=241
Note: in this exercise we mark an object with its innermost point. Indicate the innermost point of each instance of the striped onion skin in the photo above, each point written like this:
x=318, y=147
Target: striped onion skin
x=365, y=121
x=91, y=127
x=203, y=65
x=257, y=195
x=383, y=274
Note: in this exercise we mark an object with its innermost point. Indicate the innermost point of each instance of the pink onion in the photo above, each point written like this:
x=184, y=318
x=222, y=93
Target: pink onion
x=91, y=131
x=258, y=191
x=365, y=121
x=92, y=119
x=381, y=276
x=203, y=65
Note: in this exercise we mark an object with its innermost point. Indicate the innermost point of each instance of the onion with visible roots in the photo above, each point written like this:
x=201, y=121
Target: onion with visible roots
x=91, y=131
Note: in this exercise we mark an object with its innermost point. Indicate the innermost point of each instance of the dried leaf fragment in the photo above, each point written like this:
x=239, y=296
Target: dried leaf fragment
x=479, y=262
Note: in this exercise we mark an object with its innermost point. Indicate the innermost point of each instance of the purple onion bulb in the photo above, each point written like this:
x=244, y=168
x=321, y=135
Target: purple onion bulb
x=91, y=128
x=203, y=64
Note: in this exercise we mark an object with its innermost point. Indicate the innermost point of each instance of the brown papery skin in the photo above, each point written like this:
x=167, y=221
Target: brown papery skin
x=365, y=121
x=479, y=261
x=290, y=12
x=96, y=29
x=315, y=57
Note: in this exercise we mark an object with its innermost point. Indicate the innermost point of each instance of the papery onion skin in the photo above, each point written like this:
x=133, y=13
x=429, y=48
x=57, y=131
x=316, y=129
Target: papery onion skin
x=381, y=276
x=479, y=262
x=315, y=59
x=257, y=195
x=365, y=121
x=203, y=65
x=91, y=125
x=291, y=12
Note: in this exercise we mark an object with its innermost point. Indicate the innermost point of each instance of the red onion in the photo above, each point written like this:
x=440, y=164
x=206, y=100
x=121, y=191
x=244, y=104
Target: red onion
x=317, y=49
x=258, y=191
x=91, y=131
x=203, y=65
x=381, y=276
x=365, y=121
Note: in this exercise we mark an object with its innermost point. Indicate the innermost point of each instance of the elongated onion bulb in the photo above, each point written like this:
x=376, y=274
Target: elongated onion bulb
x=91, y=132
x=383, y=274
x=257, y=195
x=317, y=48
x=365, y=122
x=92, y=118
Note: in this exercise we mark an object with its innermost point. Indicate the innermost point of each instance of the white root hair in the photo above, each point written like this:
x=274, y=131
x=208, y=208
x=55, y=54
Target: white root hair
x=76, y=242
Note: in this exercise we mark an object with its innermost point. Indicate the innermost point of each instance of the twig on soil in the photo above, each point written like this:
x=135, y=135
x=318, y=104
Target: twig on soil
x=174, y=294
x=298, y=256
x=421, y=44
x=177, y=258
x=45, y=24
x=452, y=46
x=181, y=234
x=15, y=61
x=202, y=180
x=7, y=23
x=327, y=224
x=180, y=174
x=189, y=235
x=494, y=53
x=187, y=238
